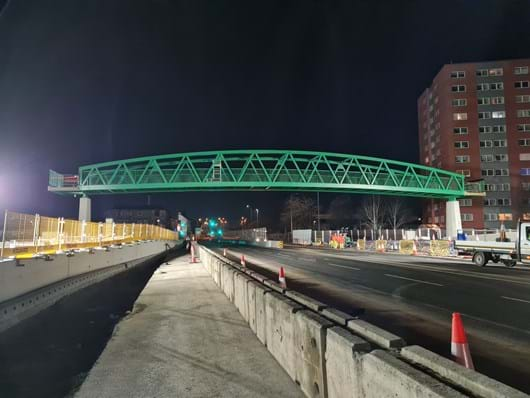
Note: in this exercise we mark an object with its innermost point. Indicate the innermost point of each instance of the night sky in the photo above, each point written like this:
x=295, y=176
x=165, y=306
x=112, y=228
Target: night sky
x=90, y=81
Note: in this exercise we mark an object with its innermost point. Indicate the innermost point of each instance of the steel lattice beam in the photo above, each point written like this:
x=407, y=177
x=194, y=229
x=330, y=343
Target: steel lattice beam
x=274, y=170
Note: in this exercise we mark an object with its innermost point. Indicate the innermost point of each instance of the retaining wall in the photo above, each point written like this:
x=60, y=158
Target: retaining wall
x=355, y=359
x=30, y=285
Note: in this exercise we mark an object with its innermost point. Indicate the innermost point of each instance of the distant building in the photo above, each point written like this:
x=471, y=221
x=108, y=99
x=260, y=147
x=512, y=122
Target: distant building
x=139, y=216
x=475, y=119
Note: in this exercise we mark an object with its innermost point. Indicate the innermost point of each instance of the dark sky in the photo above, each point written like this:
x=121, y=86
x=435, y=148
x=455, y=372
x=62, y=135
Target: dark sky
x=91, y=81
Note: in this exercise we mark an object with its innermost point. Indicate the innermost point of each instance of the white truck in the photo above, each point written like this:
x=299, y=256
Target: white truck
x=507, y=252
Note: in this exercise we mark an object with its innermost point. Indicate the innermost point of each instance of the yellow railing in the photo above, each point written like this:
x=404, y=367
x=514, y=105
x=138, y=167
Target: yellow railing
x=27, y=234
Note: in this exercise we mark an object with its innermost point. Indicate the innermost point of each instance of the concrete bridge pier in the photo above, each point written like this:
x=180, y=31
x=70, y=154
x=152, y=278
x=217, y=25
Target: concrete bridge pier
x=85, y=208
x=453, y=219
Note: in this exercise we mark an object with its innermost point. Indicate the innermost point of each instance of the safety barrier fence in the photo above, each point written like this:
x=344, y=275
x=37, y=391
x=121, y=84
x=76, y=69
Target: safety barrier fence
x=29, y=234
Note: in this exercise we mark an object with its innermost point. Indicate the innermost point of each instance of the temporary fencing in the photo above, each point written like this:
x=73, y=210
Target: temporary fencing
x=28, y=234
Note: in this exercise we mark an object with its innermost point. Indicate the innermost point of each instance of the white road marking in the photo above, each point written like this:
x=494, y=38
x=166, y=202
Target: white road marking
x=344, y=266
x=515, y=299
x=413, y=280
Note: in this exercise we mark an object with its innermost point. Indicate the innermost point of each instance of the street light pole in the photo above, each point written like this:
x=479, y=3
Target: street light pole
x=318, y=210
x=250, y=211
x=257, y=218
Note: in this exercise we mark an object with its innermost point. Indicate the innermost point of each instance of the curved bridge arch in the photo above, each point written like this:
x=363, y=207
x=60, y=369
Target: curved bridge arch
x=273, y=170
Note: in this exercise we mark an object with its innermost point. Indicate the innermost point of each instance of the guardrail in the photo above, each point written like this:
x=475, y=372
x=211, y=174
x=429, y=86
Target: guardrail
x=25, y=235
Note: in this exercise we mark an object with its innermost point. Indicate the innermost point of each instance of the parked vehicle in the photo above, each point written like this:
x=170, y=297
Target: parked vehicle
x=503, y=250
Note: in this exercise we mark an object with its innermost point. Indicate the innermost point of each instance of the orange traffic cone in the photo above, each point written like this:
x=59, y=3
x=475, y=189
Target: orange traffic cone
x=243, y=263
x=281, y=278
x=192, y=254
x=459, y=345
x=414, y=248
x=224, y=252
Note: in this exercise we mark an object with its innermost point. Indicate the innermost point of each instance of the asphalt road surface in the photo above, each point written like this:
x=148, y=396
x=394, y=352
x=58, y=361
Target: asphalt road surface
x=414, y=298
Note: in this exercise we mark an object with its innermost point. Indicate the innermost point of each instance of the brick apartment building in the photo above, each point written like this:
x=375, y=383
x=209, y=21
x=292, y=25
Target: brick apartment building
x=475, y=120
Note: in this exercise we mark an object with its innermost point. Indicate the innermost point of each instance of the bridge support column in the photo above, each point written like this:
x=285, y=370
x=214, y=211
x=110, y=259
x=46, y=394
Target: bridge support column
x=453, y=220
x=84, y=209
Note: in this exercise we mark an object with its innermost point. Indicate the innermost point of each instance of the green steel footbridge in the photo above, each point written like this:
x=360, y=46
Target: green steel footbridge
x=263, y=170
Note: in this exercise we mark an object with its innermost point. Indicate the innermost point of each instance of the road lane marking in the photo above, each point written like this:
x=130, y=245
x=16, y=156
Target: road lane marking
x=344, y=266
x=413, y=280
x=515, y=299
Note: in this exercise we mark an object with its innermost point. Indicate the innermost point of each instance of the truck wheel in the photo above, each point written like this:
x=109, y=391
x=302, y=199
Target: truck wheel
x=479, y=259
x=510, y=263
x=495, y=259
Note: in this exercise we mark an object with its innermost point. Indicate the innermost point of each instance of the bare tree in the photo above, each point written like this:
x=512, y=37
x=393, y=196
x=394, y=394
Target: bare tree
x=371, y=212
x=396, y=213
x=298, y=212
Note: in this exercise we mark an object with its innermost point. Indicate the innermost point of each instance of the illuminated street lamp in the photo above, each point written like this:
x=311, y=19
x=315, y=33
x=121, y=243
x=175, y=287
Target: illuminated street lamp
x=257, y=218
x=250, y=210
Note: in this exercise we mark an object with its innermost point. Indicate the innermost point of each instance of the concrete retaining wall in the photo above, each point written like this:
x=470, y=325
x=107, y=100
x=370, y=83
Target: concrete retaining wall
x=355, y=359
x=29, y=286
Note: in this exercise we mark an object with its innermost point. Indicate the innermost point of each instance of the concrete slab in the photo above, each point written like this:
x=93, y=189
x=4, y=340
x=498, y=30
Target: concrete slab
x=185, y=339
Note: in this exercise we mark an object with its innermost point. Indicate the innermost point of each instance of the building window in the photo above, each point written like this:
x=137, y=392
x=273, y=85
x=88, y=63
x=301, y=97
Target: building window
x=460, y=116
x=502, y=172
x=482, y=72
x=462, y=159
x=483, y=115
x=522, y=99
x=483, y=87
x=520, y=70
x=466, y=202
x=523, y=113
x=504, y=202
x=497, y=100
x=495, y=72
x=525, y=171
x=490, y=187
x=460, y=130
x=490, y=202
x=487, y=172
x=486, y=158
x=502, y=157
x=486, y=143
x=458, y=74
x=461, y=144
x=459, y=102
x=465, y=173
x=524, y=156
x=524, y=142
x=458, y=88
x=483, y=101
x=504, y=187
x=500, y=143
x=484, y=129
x=467, y=217
x=497, y=86
x=505, y=216
x=525, y=186
x=521, y=84
x=500, y=128
x=498, y=114
x=490, y=217
x=523, y=128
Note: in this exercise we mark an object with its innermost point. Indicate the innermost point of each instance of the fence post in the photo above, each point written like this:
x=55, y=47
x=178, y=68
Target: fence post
x=36, y=228
x=100, y=233
x=113, y=230
x=132, y=231
x=4, y=235
x=83, y=231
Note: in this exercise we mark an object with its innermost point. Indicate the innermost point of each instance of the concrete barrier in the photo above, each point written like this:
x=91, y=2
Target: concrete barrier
x=261, y=317
x=473, y=382
x=280, y=330
x=375, y=334
x=228, y=281
x=382, y=375
x=333, y=361
x=310, y=339
x=240, y=294
x=343, y=351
